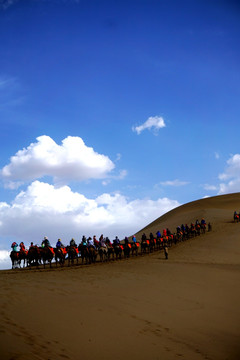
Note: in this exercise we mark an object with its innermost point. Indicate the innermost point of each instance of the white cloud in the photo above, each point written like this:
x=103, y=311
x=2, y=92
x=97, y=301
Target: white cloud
x=210, y=187
x=217, y=156
x=45, y=210
x=72, y=160
x=231, y=177
x=175, y=182
x=153, y=123
x=5, y=261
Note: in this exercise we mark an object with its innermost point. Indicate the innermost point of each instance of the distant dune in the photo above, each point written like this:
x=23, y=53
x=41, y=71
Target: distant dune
x=146, y=307
x=215, y=209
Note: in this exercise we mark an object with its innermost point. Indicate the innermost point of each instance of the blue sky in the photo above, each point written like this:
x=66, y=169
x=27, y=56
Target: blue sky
x=114, y=112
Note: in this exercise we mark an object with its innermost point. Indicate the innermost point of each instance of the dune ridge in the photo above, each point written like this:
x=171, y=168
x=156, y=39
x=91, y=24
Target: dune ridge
x=147, y=307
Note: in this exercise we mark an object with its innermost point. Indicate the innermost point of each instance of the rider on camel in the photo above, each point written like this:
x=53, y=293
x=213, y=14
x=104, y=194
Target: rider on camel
x=90, y=242
x=45, y=242
x=134, y=240
x=102, y=241
x=73, y=243
x=144, y=238
x=59, y=244
x=116, y=241
x=168, y=232
x=22, y=247
x=108, y=242
x=14, y=246
x=95, y=241
x=84, y=241
x=126, y=241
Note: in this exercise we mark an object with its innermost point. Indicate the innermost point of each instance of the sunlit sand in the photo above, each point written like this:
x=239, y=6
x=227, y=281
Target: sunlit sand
x=146, y=307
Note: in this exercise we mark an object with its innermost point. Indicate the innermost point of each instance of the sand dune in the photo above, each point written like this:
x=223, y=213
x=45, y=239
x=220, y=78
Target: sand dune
x=186, y=307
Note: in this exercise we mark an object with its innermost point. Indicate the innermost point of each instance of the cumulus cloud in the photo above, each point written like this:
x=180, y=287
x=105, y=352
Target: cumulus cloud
x=153, y=123
x=5, y=261
x=45, y=210
x=231, y=177
x=175, y=182
x=72, y=160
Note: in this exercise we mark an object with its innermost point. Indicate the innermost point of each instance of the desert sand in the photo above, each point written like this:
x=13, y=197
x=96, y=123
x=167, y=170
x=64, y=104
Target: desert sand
x=147, y=307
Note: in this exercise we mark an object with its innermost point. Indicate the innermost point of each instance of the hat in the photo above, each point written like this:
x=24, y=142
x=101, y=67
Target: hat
x=45, y=238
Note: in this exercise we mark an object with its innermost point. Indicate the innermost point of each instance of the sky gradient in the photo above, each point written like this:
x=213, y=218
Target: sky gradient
x=113, y=113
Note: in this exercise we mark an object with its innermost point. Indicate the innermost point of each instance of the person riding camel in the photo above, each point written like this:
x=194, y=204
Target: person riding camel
x=73, y=242
x=168, y=232
x=158, y=234
x=14, y=246
x=84, y=241
x=144, y=237
x=102, y=241
x=95, y=241
x=90, y=242
x=134, y=240
x=116, y=241
x=46, y=242
x=108, y=242
x=31, y=245
x=59, y=244
x=22, y=247
x=126, y=241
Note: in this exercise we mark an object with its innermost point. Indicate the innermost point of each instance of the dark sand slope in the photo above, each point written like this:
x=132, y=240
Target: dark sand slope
x=186, y=307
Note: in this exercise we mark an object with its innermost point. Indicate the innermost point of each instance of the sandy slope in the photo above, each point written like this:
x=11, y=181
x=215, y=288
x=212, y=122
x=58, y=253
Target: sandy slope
x=186, y=307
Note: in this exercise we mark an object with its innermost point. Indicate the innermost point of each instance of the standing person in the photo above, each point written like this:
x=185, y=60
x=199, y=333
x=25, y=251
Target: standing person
x=166, y=251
